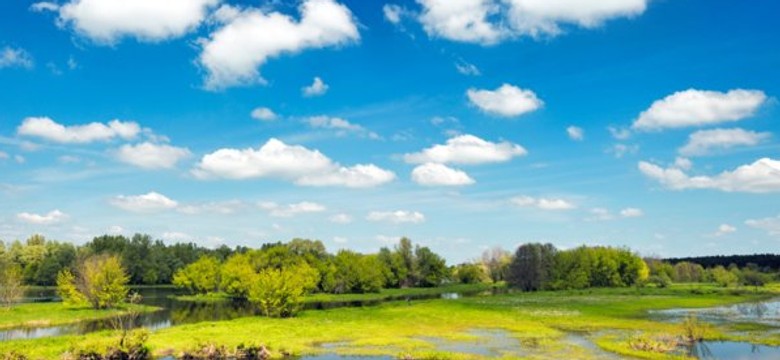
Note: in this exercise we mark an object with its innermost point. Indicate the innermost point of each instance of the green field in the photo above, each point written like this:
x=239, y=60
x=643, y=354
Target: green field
x=608, y=317
x=54, y=313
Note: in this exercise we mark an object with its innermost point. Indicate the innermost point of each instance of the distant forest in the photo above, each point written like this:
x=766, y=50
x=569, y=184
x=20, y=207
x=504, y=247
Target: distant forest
x=762, y=261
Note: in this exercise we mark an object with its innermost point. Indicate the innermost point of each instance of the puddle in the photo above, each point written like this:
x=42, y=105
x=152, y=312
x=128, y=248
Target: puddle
x=732, y=350
x=764, y=312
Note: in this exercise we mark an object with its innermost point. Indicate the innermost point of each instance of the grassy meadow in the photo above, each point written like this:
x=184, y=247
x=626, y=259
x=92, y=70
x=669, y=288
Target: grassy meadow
x=539, y=320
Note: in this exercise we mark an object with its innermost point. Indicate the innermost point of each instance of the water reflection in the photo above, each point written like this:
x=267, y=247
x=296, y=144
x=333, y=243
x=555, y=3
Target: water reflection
x=732, y=350
x=765, y=312
x=174, y=312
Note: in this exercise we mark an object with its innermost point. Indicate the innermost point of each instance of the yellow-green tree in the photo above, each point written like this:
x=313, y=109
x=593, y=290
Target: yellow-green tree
x=202, y=276
x=11, y=288
x=100, y=281
x=279, y=292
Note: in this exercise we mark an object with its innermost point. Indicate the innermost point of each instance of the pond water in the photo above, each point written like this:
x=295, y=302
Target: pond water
x=764, y=312
x=174, y=312
x=732, y=350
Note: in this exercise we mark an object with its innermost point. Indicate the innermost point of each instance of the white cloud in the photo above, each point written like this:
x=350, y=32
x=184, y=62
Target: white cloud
x=220, y=207
x=395, y=14
x=631, y=213
x=619, y=133
x=704, y=142
x=698, y=108
x=263, y=114
x=116, y=230
x=317, y=88
x=575, y=133
x=725, y=229
x=53, y=217
x=433, y=174
x=151, y=156
x=340, y=240
x=507, y=101
x=465, y=68
x=296, y=163
x=233, y=54
x=290, y=210
x=461, y=20
x=341, y=219
x=467, y=149
x=542, y=203
x=147, y=203
x=46, y=128
x=488, y=22
x=396, y=217
x=762, y=176
x=341, y=126
x=770, y=224
x=683, y=163
x=108, y=21
x=4, y=155
x=20, y=159
x=10, y=57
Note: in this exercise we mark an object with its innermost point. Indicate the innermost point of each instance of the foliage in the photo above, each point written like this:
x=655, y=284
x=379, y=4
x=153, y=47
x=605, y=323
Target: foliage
x=532, y=266
x=354, y=273
x=496, y=263
x=279, y=292
x=100, y=280
x=202, y=276
x=11, y=287
x=693, y=330
x=470, y=274
x=660, y=281
x=723, y=277
x=237, y=275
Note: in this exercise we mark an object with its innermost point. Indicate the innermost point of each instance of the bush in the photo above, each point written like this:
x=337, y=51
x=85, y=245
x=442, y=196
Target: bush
x=660, y=281
x=279, y=292
x=100, y=281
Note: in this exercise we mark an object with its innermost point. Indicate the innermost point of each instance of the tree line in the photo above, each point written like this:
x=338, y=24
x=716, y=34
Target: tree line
x=765, y=262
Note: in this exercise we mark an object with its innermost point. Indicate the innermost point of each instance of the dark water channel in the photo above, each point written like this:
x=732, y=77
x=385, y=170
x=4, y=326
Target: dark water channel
x=174, y=312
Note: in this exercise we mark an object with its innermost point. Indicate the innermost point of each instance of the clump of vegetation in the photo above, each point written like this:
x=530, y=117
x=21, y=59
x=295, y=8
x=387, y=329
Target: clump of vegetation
x=99, y=281
x=656, y=344
x=133, y=347
x=693, y=330
x=279, y=292
x=202, y=276
x=214, y=352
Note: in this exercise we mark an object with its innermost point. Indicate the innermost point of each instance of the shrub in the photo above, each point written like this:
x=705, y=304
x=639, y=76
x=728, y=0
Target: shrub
x=100, y=281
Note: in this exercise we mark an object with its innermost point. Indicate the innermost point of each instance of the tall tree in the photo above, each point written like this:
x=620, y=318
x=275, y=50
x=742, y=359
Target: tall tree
x=532, y=266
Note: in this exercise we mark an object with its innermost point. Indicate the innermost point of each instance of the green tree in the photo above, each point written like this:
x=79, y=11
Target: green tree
x=532, y=266
x=279, y=292
x=723, y=277
x=496, y=263
x=202, y=276
x=11, y=282
x=431, y=268
x=470, y=274
x=237, y=275
x=101, y=280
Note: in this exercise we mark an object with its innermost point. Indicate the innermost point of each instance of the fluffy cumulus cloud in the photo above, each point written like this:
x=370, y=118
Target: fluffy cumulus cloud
x=704, y=142
x=148, y=155
x=53, y=217
x=432, y=174
x=542, y=203
x=467, y=150
x=48, y=129
x=296, y=163
x=575, y=133
x=146, y=203
x=488, y=22
x=15, y=57
x=247, y=38
x=290, y=210
x=507, y=100
x=108, y=21
x=317, y=88
x=698, y=108
x=770, y=224
x=762, y=176
x=396, y=217
x=263, y=114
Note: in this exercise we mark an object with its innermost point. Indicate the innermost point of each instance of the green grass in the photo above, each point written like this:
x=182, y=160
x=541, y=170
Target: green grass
x=56, y=313
x=398, y=328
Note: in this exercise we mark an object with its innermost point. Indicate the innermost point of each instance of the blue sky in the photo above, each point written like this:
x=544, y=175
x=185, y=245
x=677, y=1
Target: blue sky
x=460, y=124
